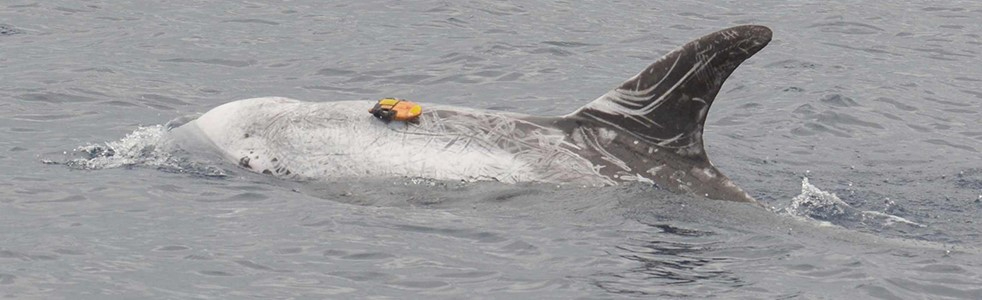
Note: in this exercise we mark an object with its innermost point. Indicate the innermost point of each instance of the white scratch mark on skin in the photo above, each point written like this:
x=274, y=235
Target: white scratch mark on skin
x=638, y=92
x=703, y=174
x=666, y=142
x=592, y=141
x=640, y=178
x=657, y=102
x=654, y=170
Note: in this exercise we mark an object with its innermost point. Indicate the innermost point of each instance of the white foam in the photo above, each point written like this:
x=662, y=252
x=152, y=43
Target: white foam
x=814, y=202
x=138, y=147
x=147, y=146
x=890, y=219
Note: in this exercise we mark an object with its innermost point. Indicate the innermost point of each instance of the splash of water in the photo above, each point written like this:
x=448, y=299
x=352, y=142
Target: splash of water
x=146, y=146
x=817, y=204
x=139, y=147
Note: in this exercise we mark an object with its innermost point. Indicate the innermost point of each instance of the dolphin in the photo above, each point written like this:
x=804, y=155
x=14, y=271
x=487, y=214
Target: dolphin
x=649, y=129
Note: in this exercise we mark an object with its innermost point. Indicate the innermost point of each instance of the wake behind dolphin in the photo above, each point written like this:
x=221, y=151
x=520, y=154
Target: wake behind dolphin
x=648, y=129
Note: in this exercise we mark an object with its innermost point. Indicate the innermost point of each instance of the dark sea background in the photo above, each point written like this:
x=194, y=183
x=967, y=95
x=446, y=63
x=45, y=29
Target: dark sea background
x=878, y=103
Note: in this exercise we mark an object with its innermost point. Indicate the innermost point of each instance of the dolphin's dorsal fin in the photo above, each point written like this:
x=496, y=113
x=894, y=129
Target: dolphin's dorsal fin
x=666, y=104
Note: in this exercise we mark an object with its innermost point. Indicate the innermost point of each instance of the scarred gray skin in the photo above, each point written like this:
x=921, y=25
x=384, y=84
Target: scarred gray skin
x=663, y=109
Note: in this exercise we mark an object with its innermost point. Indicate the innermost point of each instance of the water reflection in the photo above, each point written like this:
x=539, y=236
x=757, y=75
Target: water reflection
x=673, y=261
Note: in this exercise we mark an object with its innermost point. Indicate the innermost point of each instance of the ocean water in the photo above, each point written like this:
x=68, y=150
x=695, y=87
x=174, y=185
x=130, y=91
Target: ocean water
x=858, y=127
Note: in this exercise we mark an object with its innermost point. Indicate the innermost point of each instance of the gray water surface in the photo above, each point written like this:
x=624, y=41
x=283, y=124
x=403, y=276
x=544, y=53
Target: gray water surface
x=876, y=103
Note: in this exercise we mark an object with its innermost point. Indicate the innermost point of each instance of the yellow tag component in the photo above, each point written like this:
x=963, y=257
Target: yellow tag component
x=388, y=109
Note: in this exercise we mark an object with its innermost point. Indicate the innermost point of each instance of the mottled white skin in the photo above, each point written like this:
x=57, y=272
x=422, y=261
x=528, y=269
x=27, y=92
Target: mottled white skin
x=290, y=138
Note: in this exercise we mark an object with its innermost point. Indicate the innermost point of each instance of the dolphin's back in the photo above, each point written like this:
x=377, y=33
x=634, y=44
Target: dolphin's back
x=648, y=129
x=308, y=140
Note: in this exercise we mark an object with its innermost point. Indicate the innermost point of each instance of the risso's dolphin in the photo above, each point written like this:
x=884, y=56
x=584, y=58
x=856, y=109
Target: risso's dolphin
x=649, y=129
